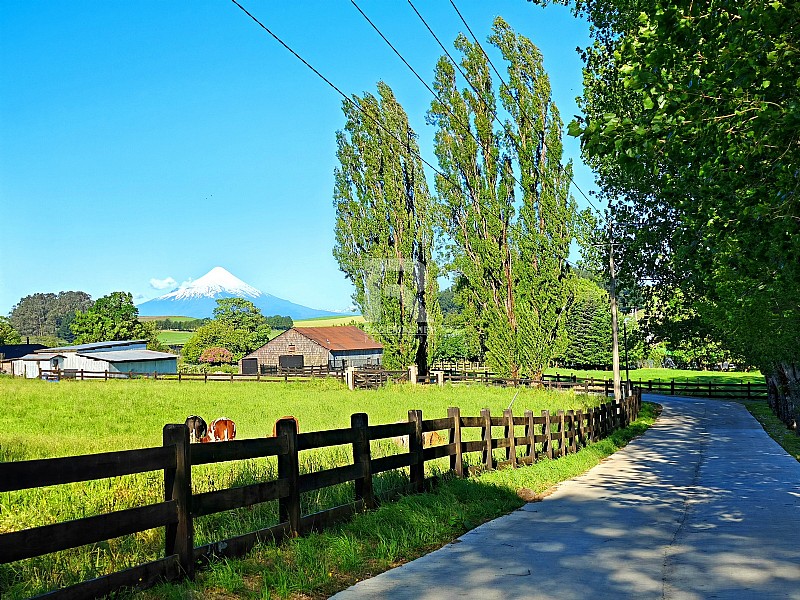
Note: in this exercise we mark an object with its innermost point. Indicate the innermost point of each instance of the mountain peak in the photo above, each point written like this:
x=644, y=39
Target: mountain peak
x=197, y=299
x=217, y=281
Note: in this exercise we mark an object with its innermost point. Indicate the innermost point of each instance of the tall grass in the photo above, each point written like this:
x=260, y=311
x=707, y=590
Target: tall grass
x=45, y=419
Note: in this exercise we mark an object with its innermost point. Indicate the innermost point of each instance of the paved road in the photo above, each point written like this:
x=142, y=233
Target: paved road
x=704, y=505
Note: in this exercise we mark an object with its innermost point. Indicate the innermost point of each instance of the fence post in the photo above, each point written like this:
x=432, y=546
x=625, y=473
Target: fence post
x=413, y=371
x=748, y=390
x=417, y=470
x=179, y=376
x=511, y=449
x=289, y=469
x=179, y=537
x=105, y=375
x=547, y=447
x=562, y=434
x=205, y=377
x=672, y=387
x=486, y=436
x=580, y=438
x=362, y=455
x=457, y=458
x=530, y=433
x=605, y=387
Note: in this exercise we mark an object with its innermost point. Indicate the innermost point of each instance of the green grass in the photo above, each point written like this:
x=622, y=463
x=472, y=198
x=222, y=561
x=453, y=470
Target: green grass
x=679, y=375
x=329, y=321
x=174, y=338
x=44, y=419
x=777, y=430
x=372, y=542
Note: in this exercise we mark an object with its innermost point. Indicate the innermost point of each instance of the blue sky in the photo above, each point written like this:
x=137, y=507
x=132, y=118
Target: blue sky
x=150, y=141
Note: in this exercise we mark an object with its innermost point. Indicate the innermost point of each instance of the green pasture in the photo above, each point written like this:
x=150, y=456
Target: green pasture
x=679, y=375
x=329, y=321
x=174, y=338
x=45, y=419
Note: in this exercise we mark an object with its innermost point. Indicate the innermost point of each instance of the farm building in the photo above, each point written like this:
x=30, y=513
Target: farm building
x=114, y=357
x=10, y=352
x=336, y=347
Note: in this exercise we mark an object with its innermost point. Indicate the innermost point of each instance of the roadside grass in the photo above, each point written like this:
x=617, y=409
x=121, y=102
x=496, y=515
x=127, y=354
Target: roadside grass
x=321, y=564
x=679, y=375
x=329, y=321
x=776, y=429
x=47, y=419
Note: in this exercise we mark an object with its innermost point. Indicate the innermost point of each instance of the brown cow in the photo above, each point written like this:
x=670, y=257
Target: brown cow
x=220, y=430
x=197, y=428
x=275, y=426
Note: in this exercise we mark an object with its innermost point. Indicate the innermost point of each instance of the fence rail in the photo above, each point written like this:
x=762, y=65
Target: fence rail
x=279, y=375
x=543, y=436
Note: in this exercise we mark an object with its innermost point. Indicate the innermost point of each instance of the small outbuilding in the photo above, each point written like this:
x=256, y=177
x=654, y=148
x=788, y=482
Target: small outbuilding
x=114, y=356
x=335, y=347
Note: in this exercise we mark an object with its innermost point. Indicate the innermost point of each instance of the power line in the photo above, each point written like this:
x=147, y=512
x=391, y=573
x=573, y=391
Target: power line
x=342, y=94
x=502, y=81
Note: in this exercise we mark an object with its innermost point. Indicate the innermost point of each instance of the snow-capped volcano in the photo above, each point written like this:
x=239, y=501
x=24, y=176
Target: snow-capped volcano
x=198, y=299
x=217, y=281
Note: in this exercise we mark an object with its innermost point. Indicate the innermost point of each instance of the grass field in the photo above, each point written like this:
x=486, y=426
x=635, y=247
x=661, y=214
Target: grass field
x=669, y=374
x=45, y=419
x=174, y=338
x=329, y=321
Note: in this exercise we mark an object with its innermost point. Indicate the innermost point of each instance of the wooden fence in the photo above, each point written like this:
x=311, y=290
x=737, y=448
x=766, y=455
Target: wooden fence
x=302, y=374
x=544, y=436
x=709, y=389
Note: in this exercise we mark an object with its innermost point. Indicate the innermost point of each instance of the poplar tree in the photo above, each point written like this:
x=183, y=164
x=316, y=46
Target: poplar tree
x=384, y=228
x=505, y=198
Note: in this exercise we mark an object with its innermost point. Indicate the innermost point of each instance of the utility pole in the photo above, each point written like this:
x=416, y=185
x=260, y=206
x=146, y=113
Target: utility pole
x=614, y=323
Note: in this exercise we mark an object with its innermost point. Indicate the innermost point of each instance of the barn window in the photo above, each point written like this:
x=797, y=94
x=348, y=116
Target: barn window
x=291, y=348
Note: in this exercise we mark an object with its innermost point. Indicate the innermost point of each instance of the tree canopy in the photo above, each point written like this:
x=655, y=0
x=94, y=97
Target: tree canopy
x=384, y=228
x=48, y=315
x=238, y=327
x=111, y=318
x=8, y=335
x=692, y=121
x=504, y=195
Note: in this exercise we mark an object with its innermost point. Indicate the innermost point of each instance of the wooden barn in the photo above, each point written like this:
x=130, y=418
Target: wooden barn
x=336, y=347
x=114, y=356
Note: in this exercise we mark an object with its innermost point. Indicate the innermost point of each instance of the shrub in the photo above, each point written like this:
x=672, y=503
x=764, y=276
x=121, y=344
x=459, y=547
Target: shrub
x=216, y=356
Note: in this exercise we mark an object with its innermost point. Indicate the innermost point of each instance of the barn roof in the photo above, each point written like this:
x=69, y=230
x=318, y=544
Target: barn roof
x=40, y=356
x=345, y=337
x=117, y=356
x=97, y=345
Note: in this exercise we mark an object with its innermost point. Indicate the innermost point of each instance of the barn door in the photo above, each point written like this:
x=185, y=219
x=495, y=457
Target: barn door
x=249, y=366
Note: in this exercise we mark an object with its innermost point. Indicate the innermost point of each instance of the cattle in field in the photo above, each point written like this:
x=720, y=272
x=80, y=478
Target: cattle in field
x=220, y=430
x=197, y=428
x=429, y=438
x=290, y=417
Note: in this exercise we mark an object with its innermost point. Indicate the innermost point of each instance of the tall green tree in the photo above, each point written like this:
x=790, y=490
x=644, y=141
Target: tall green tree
x=384, y=228
x=238, y=326
x=692, y=123
x=505, y=198
x=48, y=315
x=113, y=317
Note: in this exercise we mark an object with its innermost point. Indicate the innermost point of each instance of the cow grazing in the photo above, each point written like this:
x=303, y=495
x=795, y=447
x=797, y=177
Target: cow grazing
x=429, y=438
x=197, y=428
x=220, y=430
x=290, y=417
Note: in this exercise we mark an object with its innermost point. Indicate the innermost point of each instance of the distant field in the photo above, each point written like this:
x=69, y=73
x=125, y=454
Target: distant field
x=678, y=375
x=329, y=321
x=174, y=338
x=171, y=318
